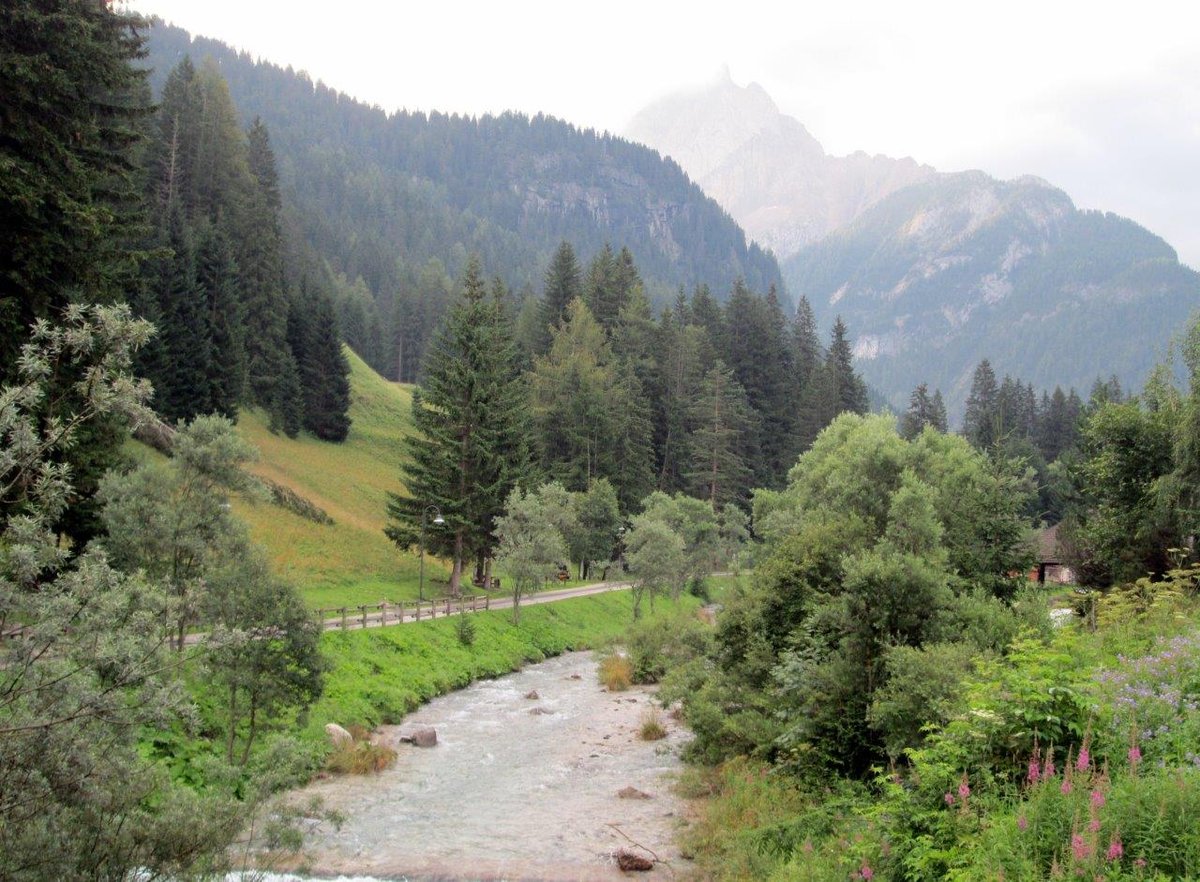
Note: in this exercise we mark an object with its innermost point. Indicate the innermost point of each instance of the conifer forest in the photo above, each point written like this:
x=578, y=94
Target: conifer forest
x=313, y=413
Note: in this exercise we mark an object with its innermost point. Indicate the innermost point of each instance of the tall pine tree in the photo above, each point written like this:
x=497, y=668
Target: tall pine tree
x=469, y=415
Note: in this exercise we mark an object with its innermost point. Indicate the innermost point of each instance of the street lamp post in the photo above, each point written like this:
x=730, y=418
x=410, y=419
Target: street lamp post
x=438, y=520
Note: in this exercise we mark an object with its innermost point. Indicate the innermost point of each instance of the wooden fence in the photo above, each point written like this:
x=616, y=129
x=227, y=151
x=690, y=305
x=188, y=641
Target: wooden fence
x=388, y=613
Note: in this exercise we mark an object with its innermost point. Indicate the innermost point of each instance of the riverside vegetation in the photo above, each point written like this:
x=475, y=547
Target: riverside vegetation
x=884, y=695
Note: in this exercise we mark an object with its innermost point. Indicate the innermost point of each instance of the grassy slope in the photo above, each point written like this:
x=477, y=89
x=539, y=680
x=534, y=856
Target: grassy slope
x=352, y=561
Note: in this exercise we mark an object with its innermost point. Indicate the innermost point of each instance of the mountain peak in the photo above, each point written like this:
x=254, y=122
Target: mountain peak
x=763, y=166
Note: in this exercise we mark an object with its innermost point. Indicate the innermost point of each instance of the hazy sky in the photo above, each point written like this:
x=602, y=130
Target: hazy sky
x=1100, y=98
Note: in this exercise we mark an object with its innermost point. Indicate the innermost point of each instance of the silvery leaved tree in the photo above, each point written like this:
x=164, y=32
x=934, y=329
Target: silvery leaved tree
x=83, y=660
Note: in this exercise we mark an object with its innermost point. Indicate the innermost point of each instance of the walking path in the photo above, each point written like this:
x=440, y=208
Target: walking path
x=356, y=619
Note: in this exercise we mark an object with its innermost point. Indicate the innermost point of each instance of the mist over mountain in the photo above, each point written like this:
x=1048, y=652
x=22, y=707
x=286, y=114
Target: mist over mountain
x=370, y=190
x=932, y=271
x=765, y=167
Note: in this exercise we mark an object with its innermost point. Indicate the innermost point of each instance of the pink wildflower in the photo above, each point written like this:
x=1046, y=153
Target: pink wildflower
x=1097, y=799
x=1022, y=824
x=1094, y=825
x=1048, y=770
x=866, y=872
x=1140, y=863
x=1115, y=850
x=1135, y=755
x=964, y=789
x=1066, y=786
x=807, y=848
x=1083, y=760
x=1035, y=771
x=949, y=798
x=1079, y=847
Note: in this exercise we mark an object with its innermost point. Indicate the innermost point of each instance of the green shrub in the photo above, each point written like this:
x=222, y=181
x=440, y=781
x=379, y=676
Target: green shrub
x=657, y=646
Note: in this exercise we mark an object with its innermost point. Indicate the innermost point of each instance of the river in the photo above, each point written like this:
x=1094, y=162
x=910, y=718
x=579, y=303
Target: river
x=516, y=789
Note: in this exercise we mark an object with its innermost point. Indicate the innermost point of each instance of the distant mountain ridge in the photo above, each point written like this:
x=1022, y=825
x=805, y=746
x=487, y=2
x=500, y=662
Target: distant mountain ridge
x=932, y=271
x=962, y=267
x=772, y=175
x=368, y=188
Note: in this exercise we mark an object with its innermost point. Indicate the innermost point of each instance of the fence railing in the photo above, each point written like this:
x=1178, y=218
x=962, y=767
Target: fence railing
x=388, y=613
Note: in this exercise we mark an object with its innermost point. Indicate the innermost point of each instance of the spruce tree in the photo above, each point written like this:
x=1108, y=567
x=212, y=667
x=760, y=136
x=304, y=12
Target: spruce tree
x=264, y=303
x=918, y=415
x=720, y=416
x=186, y=333
x=679, y=370
x=979, y=422
x=469, y=414
x=563, y=283
x=216, y=275
x=937, y=413
x=71, y=102
x=324, y=372
x=807, y=353
x=847, y=387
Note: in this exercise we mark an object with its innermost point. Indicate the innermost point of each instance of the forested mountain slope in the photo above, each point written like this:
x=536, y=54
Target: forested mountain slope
x=378, y=195
x=963, y=267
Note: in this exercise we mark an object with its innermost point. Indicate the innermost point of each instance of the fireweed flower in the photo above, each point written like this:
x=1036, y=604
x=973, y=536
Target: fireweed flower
x=1115, y=850
x=1135, y=755
x=1022, y=824
x=1084, y=759
x=1048, y=770
x=964, y=789
x=1080, y=850
x=1035, y=770
x=949, y=798
x=866, y=872
x=1097, y=799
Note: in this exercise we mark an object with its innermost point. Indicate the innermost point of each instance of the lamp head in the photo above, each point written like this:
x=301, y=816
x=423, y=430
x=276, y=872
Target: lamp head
x=439, y=520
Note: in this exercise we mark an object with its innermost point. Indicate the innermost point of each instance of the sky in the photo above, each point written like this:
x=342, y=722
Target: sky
x=1099, y=98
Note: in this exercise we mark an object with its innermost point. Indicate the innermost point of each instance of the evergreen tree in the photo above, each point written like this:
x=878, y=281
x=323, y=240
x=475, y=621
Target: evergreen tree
x=758, y=352
x=980, y=421
x=611, y=281
x=261, y=263
x=563, y=283
x=720, y=416
x=680, y=372
x=807, y=353
x=849, y=392
x=937, y=413
x=324, y=370
x=919, y=415
x=187, y=339
x=216, y=276
x=71, y=102
x=469, y=416
x=590, y=414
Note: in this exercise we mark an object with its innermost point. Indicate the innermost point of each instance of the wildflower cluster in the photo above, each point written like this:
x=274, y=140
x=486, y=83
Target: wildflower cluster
x=1157, y=698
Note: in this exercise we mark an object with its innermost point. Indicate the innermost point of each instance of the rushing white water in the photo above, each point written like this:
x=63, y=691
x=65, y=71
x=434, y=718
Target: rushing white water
x=509, y=793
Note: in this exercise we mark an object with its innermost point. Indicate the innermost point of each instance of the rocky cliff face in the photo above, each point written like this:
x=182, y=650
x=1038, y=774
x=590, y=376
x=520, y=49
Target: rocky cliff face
x=765, y=168
x=962, y=267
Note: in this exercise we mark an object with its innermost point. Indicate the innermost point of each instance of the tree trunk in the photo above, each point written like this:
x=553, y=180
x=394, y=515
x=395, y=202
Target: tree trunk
x=232, y=723
x=456, y=570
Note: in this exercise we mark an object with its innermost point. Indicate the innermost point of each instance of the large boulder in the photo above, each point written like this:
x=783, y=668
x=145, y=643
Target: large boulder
x=339, y=736
x=629, y=861
x=423, y=737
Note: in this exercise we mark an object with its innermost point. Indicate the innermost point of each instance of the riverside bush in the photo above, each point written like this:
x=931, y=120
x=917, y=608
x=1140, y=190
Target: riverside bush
x=616, y=672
